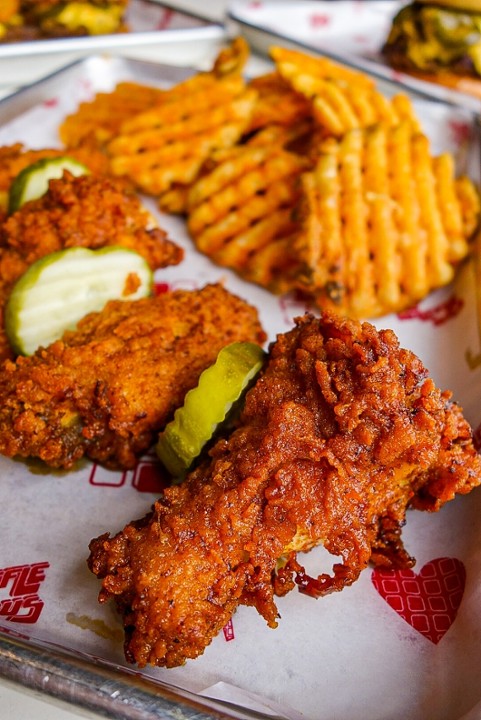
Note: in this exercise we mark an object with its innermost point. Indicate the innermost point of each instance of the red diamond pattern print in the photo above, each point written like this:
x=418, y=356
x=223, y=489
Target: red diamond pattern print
x=428, y=601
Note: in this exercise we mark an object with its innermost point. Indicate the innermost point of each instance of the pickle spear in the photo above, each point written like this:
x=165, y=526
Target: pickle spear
x=207, y=405
x=60, y=288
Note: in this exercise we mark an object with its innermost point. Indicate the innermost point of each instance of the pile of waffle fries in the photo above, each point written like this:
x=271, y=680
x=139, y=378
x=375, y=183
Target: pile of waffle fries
x=307, y=179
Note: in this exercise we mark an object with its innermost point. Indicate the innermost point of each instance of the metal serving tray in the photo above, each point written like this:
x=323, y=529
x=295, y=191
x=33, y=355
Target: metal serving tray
x=348, y=655
x=156, y=32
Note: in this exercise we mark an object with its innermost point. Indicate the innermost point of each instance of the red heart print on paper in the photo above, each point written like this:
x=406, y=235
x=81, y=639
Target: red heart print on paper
x=428, y=600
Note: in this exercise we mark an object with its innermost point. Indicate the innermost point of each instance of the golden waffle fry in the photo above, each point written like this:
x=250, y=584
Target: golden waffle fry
x=403, y=192
x=244, y=205
x=166, y=146
x=277, y=103
x=197, y=95
x=102, y=117
x=235, y=207
x=342, y=99
x=404, y=110
x=293, y=61
x=108, y=112
x=232, y=164
x=174, y=200
x=273, y=265
x=382, y=222
x=449, y=198
x=232, y=59
x=468, y=197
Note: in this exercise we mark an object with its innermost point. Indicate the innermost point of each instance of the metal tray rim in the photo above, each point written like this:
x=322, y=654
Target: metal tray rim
x=95, y=686
x=105, y=42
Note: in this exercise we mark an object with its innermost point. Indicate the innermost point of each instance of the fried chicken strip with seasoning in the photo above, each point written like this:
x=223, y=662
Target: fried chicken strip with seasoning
x=107, y=388
x=88, y=211
x=342, y=432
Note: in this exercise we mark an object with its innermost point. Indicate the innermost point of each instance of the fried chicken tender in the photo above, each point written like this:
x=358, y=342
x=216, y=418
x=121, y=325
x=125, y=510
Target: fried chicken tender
x=86, y=211
x=89, y=211
x=106, y=389
x=342, y=432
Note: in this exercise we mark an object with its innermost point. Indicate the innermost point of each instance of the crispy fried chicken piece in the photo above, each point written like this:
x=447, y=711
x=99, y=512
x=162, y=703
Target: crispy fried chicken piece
x=342, y=432
x=107, y=388
x=89, y=211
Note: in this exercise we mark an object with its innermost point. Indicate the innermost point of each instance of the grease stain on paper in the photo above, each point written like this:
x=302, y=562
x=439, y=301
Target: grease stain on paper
x=95, y=625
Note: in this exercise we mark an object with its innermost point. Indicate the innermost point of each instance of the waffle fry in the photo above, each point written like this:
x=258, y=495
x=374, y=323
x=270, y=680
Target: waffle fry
x=174, y=200
x=241, y=211
x=101, y=118
x=342, y=99
x=468, y=196
x=232, y=59
x=165, y=147
x=104, y=116
x=273, y=265
x=277, y=103
x=383, y=222
x=290, y=62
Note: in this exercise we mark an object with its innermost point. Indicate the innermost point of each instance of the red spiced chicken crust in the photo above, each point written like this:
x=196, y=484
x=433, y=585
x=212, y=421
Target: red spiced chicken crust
x=90, y=211
x=106, y=389
x=342, y=432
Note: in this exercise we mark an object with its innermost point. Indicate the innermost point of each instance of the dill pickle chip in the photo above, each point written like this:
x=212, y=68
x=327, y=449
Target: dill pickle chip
x=32, y=182
x=60, y=288
x=207, y=405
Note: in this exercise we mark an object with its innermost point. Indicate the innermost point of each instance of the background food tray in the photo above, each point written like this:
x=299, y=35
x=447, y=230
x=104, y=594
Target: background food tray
x=156, y=32
x=348, y=655
x=349, y=31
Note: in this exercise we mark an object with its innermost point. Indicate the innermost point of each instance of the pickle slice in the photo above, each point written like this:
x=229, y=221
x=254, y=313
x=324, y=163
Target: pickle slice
x=32, y=182
x=60, y=288
x=207, y=405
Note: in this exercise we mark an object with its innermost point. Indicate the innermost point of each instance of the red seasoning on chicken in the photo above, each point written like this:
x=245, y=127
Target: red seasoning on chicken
x=342, y=432
x=89, y=211
x=106, y=389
